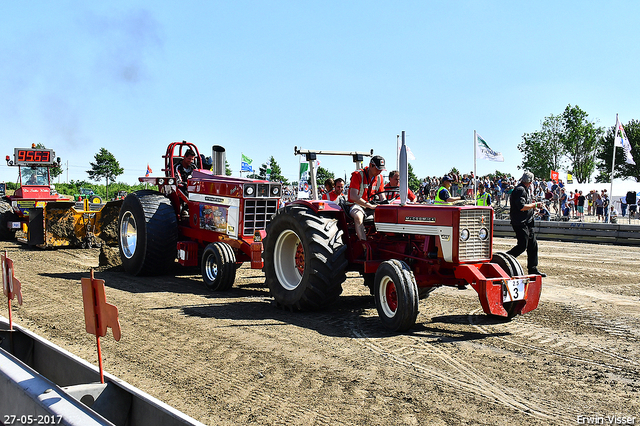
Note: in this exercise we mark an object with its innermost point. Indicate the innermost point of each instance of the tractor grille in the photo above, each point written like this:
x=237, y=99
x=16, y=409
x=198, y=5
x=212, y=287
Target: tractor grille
x=258, y=213
x=475, y=248
x=92, y=206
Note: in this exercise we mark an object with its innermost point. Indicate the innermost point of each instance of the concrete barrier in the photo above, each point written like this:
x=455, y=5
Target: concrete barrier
x=577, y=231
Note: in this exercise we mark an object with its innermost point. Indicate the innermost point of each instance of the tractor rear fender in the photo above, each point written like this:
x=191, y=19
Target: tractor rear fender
x=487, y=280
x=329, y=209
x=319, y=206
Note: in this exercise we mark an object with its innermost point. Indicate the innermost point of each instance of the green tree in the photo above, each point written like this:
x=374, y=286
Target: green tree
x=542, y=151
x=275, y=173
x=498, y=174
x=106, y=166
x=622, y=169
x=323, y=174
x=55, y=170
x=414, y=182
x=227, y=169
x=580, y=140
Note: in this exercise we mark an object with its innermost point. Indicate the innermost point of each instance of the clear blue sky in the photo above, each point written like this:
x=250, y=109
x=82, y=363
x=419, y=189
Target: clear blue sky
x=261, y=77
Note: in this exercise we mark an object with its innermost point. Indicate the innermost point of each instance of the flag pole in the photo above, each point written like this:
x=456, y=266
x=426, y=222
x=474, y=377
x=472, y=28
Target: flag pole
x=398, y=146
x=475, y=172
x=613, y=161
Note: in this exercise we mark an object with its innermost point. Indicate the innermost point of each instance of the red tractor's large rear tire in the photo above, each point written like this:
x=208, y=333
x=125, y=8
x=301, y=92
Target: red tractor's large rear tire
x=511, y=266
x=6, y=215
x=218, y=266
x=304, y=258
x=147, y=233
x=396, y=295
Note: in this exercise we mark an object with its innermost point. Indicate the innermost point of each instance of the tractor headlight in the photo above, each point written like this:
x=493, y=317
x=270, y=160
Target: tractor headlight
x=464, y=235
x=483, y=234
x=249, y=190
x=160, y=181
x=171, y=181
x=275, y=191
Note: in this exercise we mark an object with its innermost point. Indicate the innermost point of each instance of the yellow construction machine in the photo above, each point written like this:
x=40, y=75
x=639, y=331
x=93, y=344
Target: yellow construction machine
x=38, y=216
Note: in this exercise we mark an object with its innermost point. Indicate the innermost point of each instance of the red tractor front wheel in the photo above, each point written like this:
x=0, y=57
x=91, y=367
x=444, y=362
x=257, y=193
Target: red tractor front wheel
x=396, y=295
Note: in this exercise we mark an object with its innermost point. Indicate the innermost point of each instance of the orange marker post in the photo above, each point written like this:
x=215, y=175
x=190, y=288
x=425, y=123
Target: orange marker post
x=10, y=284
x=98, y=314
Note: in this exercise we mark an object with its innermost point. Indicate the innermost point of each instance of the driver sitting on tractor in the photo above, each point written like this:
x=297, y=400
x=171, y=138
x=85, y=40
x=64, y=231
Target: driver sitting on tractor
x=364, y=184
x=185, y=168
x=393, y=188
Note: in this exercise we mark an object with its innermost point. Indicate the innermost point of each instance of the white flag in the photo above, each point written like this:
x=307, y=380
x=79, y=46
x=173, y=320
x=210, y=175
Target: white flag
x=620, y=139
x=410, y=155
x=483, y=151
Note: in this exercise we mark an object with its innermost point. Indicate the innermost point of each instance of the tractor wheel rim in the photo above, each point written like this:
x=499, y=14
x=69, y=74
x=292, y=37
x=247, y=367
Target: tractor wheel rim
x=289, y=259
x=128, y=235
x=388, y=297
x=211, y=268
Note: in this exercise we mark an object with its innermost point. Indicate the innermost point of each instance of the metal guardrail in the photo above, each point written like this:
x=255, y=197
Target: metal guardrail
x=588, y=232
x=41, y=383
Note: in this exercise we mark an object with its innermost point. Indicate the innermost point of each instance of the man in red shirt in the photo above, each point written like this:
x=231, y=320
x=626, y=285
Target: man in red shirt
x=394, y=185
x=338, y=186
x=364, y=183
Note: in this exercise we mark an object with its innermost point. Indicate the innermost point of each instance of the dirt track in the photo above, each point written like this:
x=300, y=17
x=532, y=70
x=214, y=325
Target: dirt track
x=233, y=358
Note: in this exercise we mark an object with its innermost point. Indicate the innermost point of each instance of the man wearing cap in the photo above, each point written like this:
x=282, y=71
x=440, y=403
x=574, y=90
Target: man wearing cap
x=522, y=221
x=443, y=196
x=364, y=183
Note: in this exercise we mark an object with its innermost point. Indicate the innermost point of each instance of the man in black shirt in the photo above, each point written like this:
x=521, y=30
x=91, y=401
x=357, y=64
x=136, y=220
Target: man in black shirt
x=522, y=214
x=185, y=168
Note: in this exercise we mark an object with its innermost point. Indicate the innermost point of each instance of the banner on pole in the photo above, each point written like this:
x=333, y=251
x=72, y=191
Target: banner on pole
x=620, y=139
x=484, y=152
x=246, y=159
x=304, y=187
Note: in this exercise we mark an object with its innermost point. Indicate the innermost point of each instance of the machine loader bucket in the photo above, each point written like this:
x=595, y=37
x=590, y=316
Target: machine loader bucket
x=61, y=223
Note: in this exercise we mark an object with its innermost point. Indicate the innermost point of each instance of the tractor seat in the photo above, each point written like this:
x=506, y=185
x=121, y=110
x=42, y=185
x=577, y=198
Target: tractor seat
x=368, y=218
x=174, y=162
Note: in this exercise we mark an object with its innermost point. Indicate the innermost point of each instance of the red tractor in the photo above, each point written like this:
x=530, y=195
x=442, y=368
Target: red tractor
x=411, y=249
x=217, y=221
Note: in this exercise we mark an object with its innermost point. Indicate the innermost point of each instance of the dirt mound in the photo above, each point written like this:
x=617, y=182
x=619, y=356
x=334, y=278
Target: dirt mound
x=109, y=223
x=109, y=256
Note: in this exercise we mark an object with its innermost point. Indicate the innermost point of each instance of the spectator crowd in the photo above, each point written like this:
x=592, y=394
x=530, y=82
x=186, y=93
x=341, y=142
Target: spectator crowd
x=560, y=201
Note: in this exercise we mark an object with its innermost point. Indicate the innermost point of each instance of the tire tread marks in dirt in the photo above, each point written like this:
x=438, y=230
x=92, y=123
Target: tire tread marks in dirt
x=324, y=257
x=157, y=233
x=419, y=357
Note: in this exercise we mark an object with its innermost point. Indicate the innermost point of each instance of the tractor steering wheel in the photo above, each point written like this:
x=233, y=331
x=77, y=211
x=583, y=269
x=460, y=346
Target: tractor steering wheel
x=376, y=199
